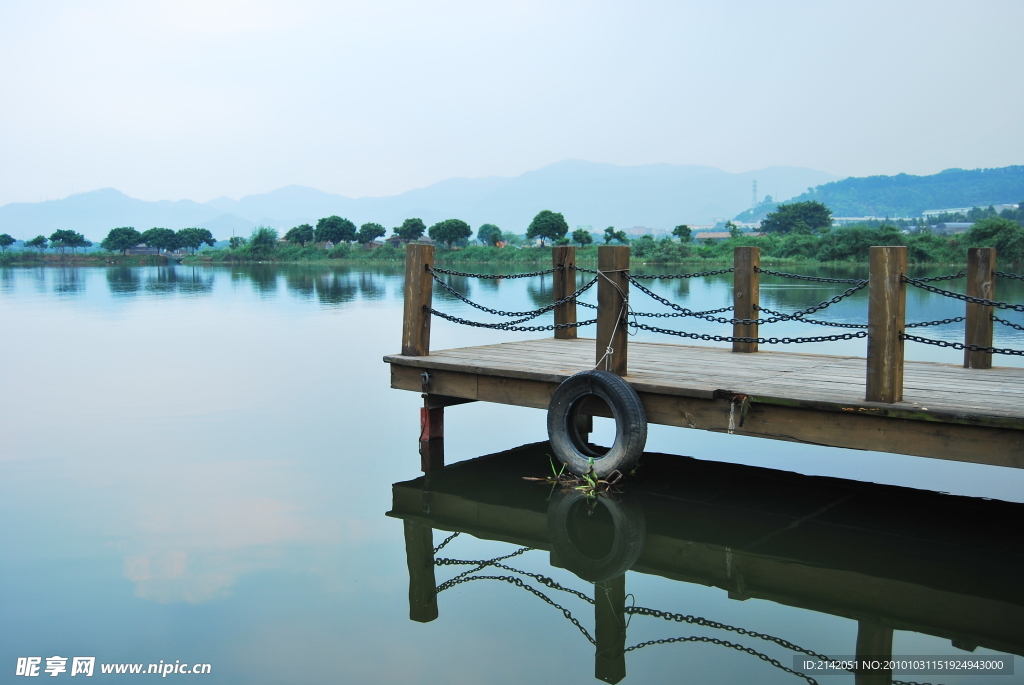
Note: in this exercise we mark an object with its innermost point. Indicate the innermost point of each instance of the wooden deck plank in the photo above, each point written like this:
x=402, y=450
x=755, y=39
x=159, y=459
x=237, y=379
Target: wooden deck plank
x=703, y=371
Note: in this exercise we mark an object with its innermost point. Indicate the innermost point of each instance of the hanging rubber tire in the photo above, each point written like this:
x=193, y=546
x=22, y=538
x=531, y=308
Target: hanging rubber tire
x=595, y=538
x=630, y=423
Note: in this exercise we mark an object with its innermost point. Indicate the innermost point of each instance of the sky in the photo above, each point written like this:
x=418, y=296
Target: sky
x=204, y=98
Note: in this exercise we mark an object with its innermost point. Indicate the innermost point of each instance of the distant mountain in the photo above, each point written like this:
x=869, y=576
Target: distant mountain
x=587, y=193
x=905, y=195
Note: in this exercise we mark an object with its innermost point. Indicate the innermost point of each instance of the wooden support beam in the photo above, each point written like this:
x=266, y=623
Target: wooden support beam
x=887, y=305
x=874, y=643
x=610, y=629
x=563, y=258
x=612, y=295
x=981, y=262
x=746, y=295
x=419, y=289
x=431, y=436
x=419, y=555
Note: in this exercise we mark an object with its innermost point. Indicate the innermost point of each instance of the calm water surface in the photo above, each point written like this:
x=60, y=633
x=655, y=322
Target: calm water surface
x=196, y=465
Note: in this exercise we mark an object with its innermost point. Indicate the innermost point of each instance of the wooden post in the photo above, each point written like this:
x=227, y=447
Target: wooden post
x=431, y=436
x=419, y=555
x=874, y=643
x=612, y=285
x=746, y=295
x=565, y=285
x=610, y=629
x=981, y=262
x=887, y=306
x=419, y=289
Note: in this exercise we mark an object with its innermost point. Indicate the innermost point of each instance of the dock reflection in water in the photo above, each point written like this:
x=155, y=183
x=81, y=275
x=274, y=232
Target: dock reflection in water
x=887, y=557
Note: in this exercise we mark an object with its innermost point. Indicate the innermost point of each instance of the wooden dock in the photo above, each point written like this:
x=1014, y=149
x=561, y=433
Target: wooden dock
x=973, y=413
x=885, y=556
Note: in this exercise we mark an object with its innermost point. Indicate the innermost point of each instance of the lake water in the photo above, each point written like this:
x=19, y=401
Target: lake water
x=197, y=464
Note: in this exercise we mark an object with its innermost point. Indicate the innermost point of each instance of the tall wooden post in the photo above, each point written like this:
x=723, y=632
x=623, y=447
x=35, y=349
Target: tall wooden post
x=419, y=555
x=981, y=262
x=746, y=295
x=874, y=643
x=419, y=289
x=887, y=306
x=564, y=256
x=610, y=629
x=612, y=293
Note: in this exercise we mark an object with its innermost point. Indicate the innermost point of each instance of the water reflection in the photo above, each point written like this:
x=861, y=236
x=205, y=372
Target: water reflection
x=68, y=281
x=886, y=557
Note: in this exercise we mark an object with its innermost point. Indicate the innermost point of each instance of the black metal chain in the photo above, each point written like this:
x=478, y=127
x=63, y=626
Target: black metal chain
x=498, y=312
x=791, y=317
x=725, y=643
x=664, y=315
x=761, y=341
x=543, y=580
x=510, y=325
x=817, y=279
x=937, y=322
x=1008, y=323
x=948, y=277
x=918, y=283
x=493, y=276
x=961, y=346
x=446, y=541
x=749, y=322
x=697, y=274
x=1007, y=274
x=480, y=565
x=518, y=582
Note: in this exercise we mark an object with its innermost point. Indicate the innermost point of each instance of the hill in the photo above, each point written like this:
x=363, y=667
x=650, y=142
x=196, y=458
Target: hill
x=906, y=195
x=588, y=193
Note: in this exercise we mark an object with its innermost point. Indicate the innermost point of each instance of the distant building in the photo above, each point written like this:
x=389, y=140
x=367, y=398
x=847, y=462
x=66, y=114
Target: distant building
x=712, y=235
x=950, y=228
x=953, y=210
x=847, y=220
x=142, y=249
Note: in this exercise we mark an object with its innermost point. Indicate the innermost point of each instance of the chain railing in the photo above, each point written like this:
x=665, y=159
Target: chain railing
x=920, y=283
x=1004, y=322
x=1007, y=274
x=473, y=574
x=498, y=312
x=816, y=279
x=961, y=346
x=496, y=277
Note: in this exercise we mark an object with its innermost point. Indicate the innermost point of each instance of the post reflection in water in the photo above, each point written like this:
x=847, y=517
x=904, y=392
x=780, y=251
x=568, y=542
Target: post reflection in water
x=887, y=557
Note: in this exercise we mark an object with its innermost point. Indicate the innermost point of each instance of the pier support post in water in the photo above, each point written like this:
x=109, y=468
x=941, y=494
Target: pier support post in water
x=419, y=289
x=887, y=307
x=419, y=554
x=746, y=295
x=610, y=629
x=874, y=643
x=612, y=297
x=431, y=436
x=981, y=283
x=563, y=258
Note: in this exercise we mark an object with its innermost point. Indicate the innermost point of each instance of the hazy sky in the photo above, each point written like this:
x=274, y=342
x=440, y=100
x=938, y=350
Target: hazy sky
x=202, y=98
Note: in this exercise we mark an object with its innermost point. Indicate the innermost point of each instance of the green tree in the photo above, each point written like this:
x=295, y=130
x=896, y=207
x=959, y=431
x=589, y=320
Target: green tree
x=160, y=238
x=236, y=242
x=801, y=217
x=65, y=239
x=489, y=234
x=192, y=238
x=734, y=230
x=300, y=234
x=547, y=225
x=450, y=231
x=411, y=229
x=263, y=240
x=611, y=234
x=370, y=232
x=683, y=232
x=6, y=241
x=39, y=243
x=334, y=229
x=1005, y=235
x=121, y=239
x=582, y=236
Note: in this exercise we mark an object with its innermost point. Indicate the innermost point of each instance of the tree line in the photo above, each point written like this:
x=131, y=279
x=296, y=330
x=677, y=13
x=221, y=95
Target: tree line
x=119, y=239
